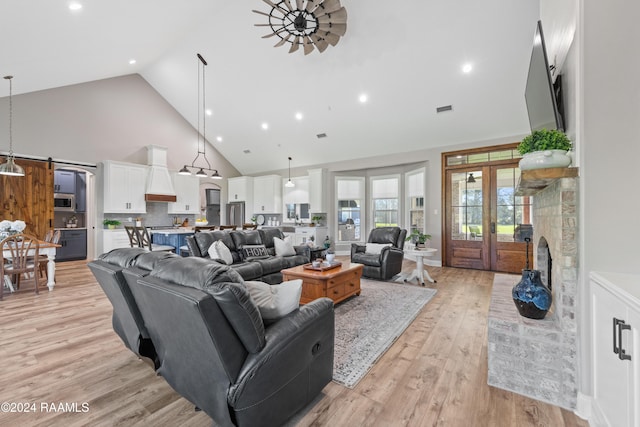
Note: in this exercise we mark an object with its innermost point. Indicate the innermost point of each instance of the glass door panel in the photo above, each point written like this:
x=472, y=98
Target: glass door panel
x=466, y=220
x=466, y=207
x=508, y=212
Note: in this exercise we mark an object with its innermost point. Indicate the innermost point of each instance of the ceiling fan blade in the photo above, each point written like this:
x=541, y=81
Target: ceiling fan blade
x=337, y=17
x=275, y=6
x=299, y=4
x=288, y=4
x=329, y=6
x=261, y=13
x=331, y=38
x=273, y=34
x=339, y=29
x=294, y=46
x=312, y=4
x=283, y=41
x=308, y=45
x=321, y=43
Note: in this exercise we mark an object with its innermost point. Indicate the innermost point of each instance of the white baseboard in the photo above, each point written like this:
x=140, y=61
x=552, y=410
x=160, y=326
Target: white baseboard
x=583, y=406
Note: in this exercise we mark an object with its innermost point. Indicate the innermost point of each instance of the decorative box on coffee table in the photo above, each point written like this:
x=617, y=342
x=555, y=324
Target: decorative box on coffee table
x=338, y=283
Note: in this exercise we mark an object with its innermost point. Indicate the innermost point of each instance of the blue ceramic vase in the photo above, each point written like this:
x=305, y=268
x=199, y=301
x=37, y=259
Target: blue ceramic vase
x=531, y=296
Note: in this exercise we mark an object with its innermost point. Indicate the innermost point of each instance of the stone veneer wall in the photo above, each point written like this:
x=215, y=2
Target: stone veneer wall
x=537, y=358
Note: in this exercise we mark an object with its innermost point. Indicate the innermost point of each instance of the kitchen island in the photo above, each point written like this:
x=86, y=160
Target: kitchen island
x=176, y=237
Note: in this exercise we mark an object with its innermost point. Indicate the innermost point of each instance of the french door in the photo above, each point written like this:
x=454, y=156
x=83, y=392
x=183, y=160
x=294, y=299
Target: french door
x=482, y=214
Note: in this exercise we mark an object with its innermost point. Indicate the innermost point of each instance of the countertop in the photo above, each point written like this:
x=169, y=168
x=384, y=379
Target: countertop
x=179, y=230
x=70, y=228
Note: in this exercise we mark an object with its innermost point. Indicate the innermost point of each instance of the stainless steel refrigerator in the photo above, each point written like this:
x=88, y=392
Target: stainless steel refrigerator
x=235, y=214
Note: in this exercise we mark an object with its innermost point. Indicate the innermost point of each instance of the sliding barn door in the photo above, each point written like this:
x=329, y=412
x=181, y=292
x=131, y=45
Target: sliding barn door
x=29, y=198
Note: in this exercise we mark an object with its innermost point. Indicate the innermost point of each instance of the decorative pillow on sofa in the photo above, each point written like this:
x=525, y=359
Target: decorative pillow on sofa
x=250, y=252
x=284, y=247
x=275, y=301
x=220, y=251
x=376, y=248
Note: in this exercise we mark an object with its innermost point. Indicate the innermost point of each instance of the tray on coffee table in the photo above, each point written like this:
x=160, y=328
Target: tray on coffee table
x=323, y=266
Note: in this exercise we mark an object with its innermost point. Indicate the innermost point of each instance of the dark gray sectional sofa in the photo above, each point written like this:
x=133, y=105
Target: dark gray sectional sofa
x=267, y=269
x=201, y=327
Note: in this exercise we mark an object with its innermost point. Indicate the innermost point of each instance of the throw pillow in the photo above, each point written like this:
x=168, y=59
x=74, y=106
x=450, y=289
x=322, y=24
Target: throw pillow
x=275, y=301
x=253, y=251
x=220, y=251
x=376, y=248
x=284, y=247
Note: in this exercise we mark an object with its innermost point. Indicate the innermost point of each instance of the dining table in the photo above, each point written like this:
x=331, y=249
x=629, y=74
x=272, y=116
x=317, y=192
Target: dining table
x=44, y=248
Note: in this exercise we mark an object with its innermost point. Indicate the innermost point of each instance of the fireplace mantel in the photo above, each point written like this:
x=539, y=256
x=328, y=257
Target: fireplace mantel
x=535, y=180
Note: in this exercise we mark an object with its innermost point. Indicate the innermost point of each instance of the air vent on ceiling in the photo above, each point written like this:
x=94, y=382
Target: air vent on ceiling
x=444, y=108
x=321, y=135
x=246, y=151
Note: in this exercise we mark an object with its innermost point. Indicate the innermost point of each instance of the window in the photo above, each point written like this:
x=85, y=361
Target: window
x=350, y=195
x=384, y=195
x=415, y=199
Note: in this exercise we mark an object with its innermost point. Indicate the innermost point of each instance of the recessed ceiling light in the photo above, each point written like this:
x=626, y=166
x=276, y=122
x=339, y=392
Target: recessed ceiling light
x=265, y=126
x=363, y=98
x=132, y=61
x=219, y=138
x=74, y=5
x=299, y=116
x=466, y=68
x=209, y=112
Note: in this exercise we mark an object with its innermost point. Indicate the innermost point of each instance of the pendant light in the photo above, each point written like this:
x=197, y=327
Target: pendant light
x=471, y=179
x=10, y=167
x=201, y=169
x=289, y=183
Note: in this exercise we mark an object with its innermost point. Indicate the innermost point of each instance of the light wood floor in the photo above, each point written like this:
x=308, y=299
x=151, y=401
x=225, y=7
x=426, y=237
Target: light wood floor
x=59, y=348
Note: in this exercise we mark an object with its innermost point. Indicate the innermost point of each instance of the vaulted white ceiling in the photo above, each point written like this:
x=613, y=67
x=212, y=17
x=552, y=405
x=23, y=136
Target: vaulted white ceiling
x=406, y=56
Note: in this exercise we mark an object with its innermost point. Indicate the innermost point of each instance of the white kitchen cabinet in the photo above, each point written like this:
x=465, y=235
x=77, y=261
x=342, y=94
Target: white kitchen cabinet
x=114, y=239
x=124, y=187
x=240, y=189
x=267, y=194
x=317, y=190
x=615, y=300
x=304, y=234
x=187, y=189
x=298, y=194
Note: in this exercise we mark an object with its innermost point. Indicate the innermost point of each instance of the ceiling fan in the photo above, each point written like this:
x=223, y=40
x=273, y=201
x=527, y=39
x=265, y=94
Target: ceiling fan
x=305, y=23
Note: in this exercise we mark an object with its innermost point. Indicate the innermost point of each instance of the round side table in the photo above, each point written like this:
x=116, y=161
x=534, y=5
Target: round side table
x=420, y=272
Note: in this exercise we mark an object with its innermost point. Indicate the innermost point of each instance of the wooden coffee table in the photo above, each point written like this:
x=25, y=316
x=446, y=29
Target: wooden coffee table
x=337, y=283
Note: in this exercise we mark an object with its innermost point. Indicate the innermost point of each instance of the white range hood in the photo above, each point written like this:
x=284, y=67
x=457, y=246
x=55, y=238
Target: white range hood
x=159, y=184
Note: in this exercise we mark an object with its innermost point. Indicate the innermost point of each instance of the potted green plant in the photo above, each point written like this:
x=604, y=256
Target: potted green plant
x=316, y=220
x=111, y=223
x=545, y=149
x=418, y=238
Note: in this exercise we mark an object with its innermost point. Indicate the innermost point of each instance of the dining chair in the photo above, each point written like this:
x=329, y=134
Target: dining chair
x=249, y=226
x=228, y=227
x=15, y=249
x=49, y=235
x=145, y=241
x=134, y=238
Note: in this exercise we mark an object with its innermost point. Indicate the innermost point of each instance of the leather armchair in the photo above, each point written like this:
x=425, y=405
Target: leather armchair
x=216, y=351
x=388, y=262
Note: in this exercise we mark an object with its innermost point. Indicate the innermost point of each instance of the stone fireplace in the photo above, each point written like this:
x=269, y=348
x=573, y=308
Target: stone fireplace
x=537, y=358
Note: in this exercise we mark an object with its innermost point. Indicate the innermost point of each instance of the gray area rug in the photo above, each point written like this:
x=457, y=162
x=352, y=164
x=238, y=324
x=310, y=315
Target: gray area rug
x=368, y=324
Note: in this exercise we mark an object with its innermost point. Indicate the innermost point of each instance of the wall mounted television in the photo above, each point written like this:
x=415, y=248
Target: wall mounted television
x=543, y=98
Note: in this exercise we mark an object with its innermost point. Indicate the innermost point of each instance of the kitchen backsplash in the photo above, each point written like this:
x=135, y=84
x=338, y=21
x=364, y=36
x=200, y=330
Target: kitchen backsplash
x=157, y=215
